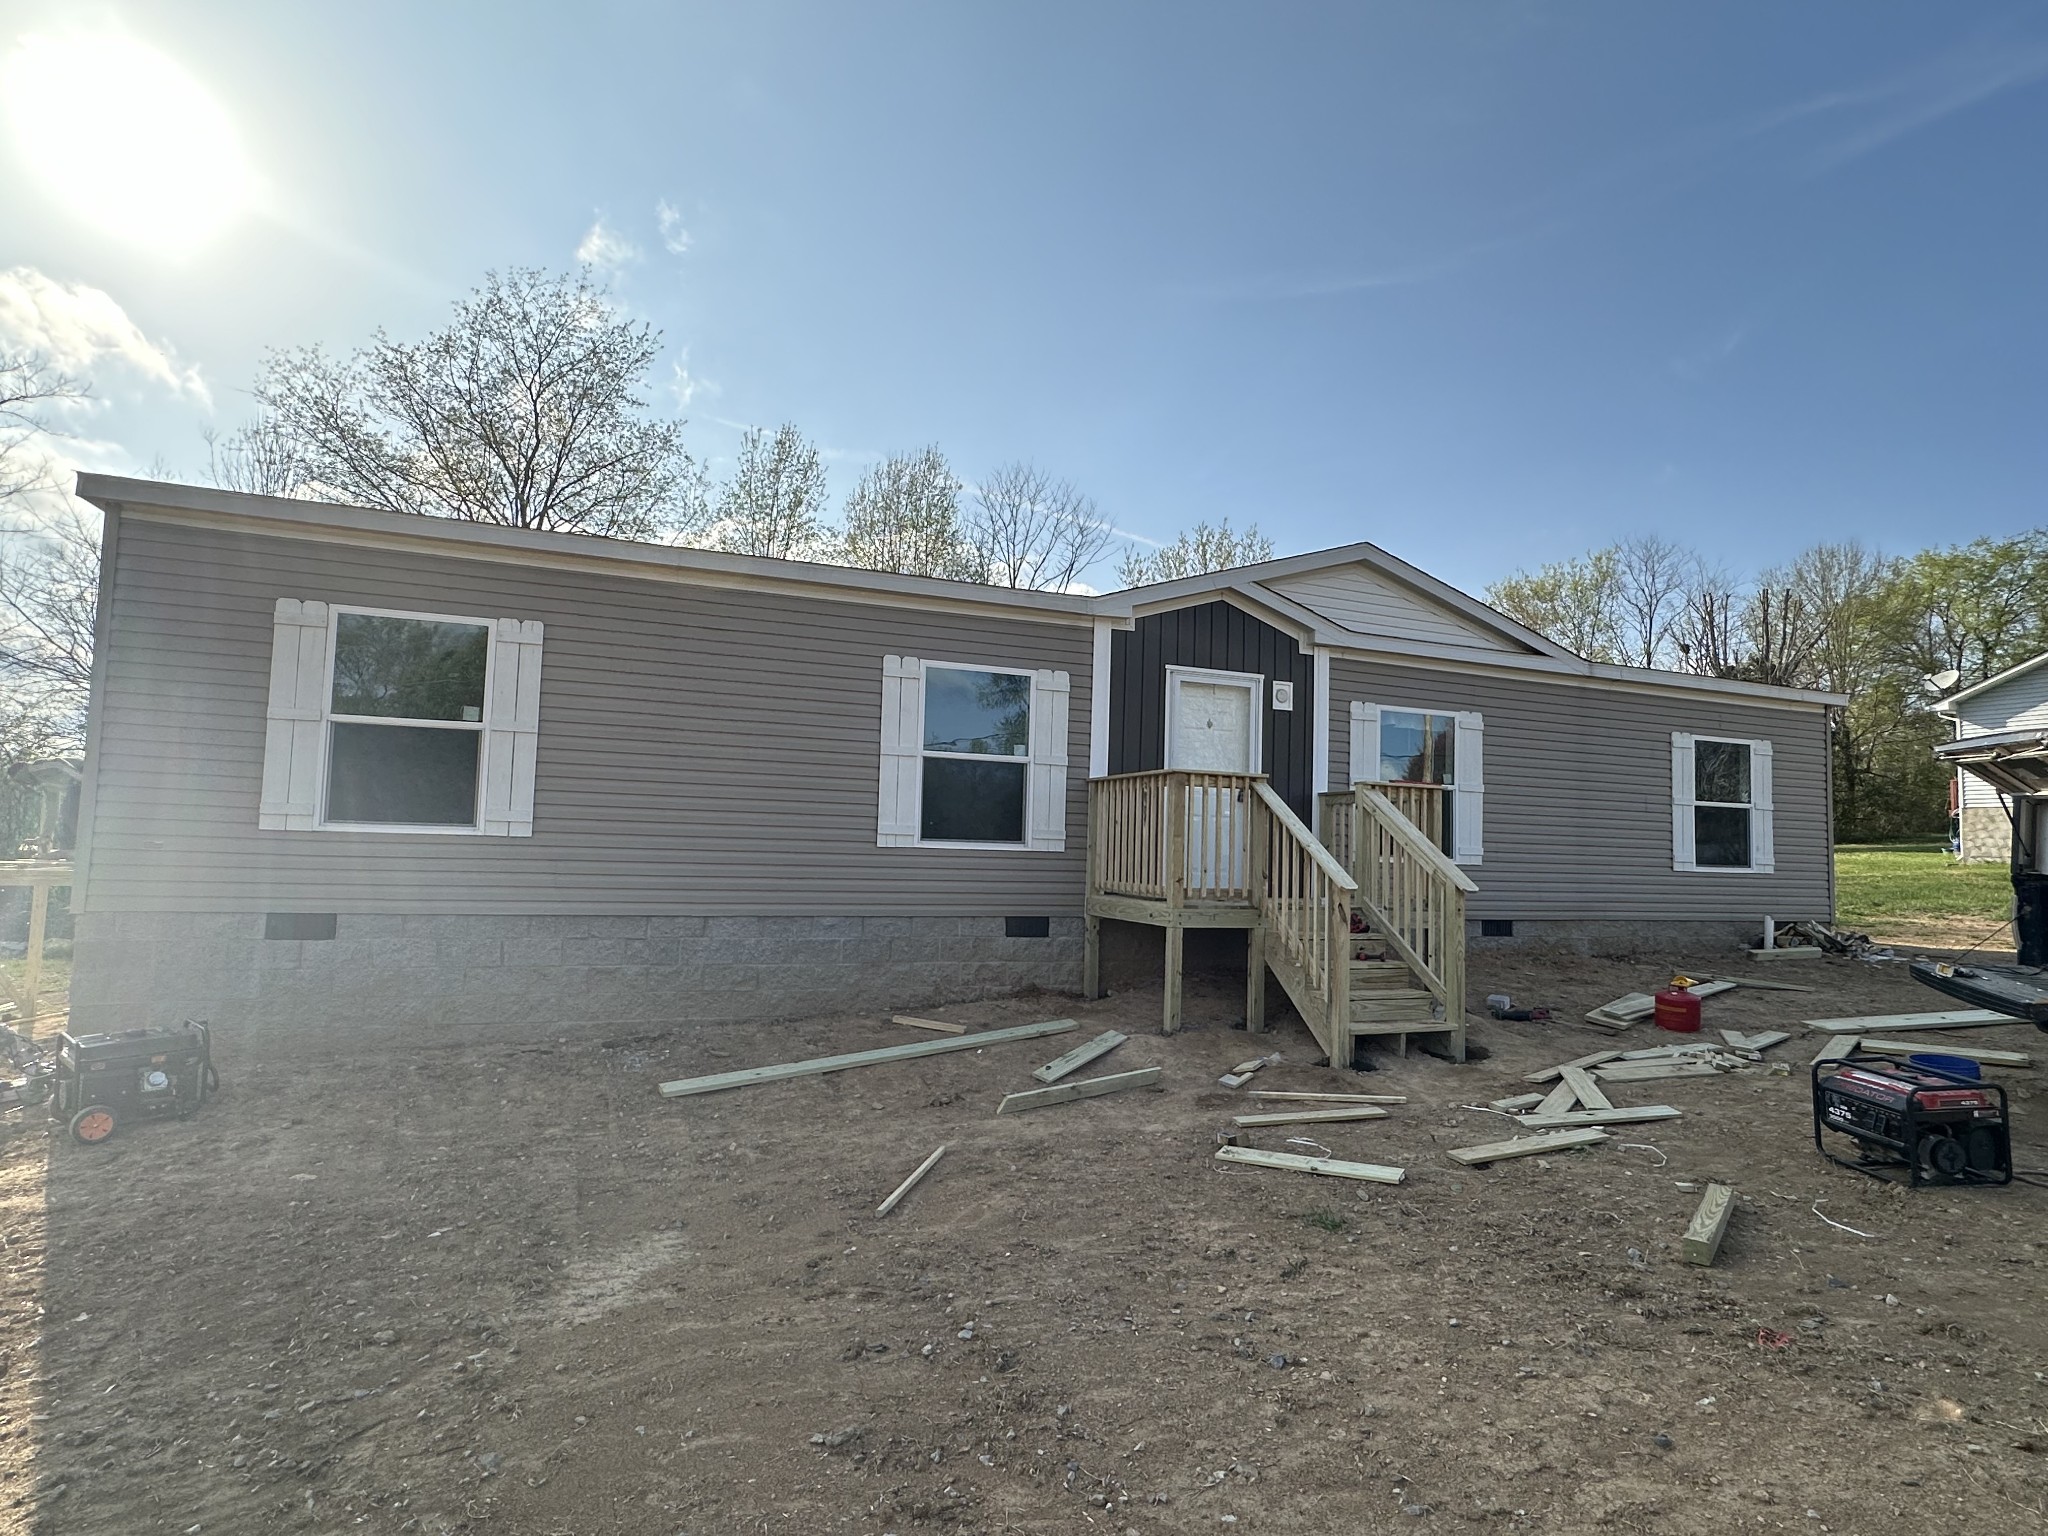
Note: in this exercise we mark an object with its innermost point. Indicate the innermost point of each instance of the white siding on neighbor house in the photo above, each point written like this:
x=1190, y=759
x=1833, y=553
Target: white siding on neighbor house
x=1579, y=795
x=2013, y=705
x=700, y=750
x=1361, y=599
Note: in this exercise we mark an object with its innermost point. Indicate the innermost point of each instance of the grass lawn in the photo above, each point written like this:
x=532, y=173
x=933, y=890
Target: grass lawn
x=1916, y=893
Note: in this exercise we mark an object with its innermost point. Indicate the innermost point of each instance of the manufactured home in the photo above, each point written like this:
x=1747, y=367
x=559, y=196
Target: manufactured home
x=2015, y=700
x=351, y=767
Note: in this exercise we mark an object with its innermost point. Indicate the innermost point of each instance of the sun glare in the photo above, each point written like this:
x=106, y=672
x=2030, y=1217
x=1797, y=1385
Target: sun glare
x=126, y=137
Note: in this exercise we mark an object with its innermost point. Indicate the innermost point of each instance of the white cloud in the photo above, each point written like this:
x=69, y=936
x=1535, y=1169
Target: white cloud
x=80, y=328
x=606, y=249
x=687, y=386
x=674, y=237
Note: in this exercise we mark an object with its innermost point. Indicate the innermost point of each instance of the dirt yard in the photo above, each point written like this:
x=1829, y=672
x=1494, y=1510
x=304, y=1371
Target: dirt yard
x=510, y=1288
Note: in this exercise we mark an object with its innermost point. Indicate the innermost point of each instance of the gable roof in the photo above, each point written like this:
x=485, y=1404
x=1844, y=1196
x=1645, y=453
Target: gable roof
x=1947, y=706
x=1355, y=598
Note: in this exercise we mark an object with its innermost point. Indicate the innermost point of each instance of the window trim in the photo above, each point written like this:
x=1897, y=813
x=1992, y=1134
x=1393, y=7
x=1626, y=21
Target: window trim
x=1468, y=799
x=1762, y=815
x=1023, y=843
x=481, y=726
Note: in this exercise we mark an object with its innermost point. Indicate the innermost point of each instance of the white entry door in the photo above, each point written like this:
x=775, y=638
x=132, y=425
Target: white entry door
x=1212, y=726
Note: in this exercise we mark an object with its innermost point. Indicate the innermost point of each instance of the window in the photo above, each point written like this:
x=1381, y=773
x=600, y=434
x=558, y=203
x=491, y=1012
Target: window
x=1721, y=804
x=405, y=720
x=977, y=746
x=1396, y=745
x=972, y=756
x=400, y=722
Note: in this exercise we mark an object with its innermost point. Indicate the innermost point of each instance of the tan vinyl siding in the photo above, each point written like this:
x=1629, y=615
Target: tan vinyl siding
x=1578, y=795
x=701, y=750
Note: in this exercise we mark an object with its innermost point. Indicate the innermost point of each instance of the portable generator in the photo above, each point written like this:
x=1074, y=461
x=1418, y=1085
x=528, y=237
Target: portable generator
x=1938, y=1127
x=153, y=1073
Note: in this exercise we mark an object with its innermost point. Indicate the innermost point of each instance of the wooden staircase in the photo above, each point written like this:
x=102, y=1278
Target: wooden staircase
x=1180, y=850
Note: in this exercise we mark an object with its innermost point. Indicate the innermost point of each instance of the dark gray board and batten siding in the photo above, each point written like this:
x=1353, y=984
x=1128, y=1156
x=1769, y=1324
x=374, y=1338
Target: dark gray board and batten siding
x=702, y=750
x=1578, y=795
x=1224, y=638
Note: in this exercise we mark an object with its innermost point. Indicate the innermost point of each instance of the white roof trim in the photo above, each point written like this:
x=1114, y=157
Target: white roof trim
x=493, y=541
x=1947, y=706
x=287, y=517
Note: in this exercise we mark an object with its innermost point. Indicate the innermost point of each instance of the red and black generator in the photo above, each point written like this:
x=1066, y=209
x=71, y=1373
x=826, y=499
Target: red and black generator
x=104, y=1080
x=1937, y=1127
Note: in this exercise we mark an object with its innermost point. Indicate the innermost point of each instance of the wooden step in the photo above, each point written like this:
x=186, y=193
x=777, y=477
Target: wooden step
x=1408, y=1006
x=1378, y=975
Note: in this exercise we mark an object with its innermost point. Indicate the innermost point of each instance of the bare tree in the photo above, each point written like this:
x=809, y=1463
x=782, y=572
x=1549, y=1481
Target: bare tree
x=49, y=596
x=774, y=504
x=904, y=516
x=527, y=409
x=1653, y=578
x=29, y=386
x=261, y=458
x=1198, y=551
x=1034, y=531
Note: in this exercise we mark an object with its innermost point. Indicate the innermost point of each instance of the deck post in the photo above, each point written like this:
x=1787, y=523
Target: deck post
x=1091, y=956
x=32, y=980
x=1176, y=803
x=1261, y=863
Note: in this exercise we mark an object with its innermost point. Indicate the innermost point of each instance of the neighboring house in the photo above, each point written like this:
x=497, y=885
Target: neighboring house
x=2014, y=700
x=350, y=765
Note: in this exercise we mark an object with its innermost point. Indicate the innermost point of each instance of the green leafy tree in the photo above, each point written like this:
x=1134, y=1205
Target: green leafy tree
x=904, y=516
x=1200, y=550
x=774, y=504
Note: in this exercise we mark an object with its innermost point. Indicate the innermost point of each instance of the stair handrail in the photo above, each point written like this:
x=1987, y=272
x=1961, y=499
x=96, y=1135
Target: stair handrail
x=1402, y=828
x=1325, y=860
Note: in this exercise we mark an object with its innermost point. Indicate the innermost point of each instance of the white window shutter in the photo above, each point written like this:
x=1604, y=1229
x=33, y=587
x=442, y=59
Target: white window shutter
x=1365, y=743
x=291, y=741
x=1468, y=808
x=1763, y=853
x=512, y=728
x=1046, y=796
x=1682, y=854
x=902, y=750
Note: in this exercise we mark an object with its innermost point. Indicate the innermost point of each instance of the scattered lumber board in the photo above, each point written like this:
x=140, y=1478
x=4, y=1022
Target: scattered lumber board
x=1371, y=1173
x=1669, y=1052
x=910, y=1183
x=1309, y=1116
x=782, y=1071
x=1633, y=1006
x=1610, y=1023
x=1963, y=1018
x=1711, y=988
x=1561, y=1098
x=1758, y=1042
x=1609, y=1116
x=1761, y=985
x=1585, y=1090
x=938, y=1026
x=1896, y=1047
x=1789, y=952
x=1519, y=1102
x=1656, y=1071
x=1526, y=1146
x=1837, y=1048
x=1080, y=1056
x=1551, y=1074
x=1086, y=1088
x=1709, y=1224
x=1332, y=1098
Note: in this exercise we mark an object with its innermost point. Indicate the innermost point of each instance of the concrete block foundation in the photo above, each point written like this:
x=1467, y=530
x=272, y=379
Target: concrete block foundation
x=505, y=977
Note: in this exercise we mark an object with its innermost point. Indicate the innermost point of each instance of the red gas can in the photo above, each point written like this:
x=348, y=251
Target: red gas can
x=1679, y=1010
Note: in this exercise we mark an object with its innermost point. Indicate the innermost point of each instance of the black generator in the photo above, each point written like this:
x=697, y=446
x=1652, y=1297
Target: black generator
x=1936, y=1127
x=103, y=1080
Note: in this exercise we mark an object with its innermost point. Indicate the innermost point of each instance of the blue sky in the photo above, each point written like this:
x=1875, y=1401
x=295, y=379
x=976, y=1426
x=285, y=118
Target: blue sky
x=1486, y=283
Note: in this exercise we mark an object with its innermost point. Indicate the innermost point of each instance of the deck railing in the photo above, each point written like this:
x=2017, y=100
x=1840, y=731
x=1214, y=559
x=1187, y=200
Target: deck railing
x=1172, y=836
x=1306, y=908
x=1410, y=891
